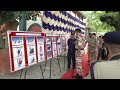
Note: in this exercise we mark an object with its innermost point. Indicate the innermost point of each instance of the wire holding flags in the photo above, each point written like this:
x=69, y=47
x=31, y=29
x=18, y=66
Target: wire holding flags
x=61, y=21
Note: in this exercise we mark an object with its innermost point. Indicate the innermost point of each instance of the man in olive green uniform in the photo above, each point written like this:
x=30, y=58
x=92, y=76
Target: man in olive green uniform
x=89, y=47
x=109, y=69
x=93, y=47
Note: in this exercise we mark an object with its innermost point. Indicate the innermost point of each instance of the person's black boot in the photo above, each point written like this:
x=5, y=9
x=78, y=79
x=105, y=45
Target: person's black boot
x=77, y=76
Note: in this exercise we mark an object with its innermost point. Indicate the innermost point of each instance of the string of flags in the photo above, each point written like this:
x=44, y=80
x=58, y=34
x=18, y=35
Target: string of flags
x=61, y=21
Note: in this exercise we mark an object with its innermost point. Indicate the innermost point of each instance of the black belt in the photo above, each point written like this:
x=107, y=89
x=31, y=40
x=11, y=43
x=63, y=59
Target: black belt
x=81, y=49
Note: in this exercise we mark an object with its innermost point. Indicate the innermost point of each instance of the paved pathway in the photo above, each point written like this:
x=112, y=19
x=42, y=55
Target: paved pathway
x=34, y=72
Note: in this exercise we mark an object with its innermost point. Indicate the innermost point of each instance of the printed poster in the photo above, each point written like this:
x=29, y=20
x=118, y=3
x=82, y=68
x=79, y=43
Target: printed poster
x=22, y=49
x=31, y=50
x=63, y=42
x=67, y=42
x=48, y=47
x=40, y=48
x=59, y=48
x=18, y=53
x=54, y=48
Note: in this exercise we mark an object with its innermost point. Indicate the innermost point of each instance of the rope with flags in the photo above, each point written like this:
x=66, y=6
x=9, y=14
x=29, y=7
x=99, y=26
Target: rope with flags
x=61, y=21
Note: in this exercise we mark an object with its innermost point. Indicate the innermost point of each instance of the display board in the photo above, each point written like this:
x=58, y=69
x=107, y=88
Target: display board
x=59, y=46
x=54, y=45
x=25, y=49
x=41, y=48
x=17, y=52
x=51, y=40
x=63, y=43
x=48, y=46
x=29, y=48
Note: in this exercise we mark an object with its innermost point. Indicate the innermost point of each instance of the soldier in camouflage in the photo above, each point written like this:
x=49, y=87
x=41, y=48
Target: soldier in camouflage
x=80, y=44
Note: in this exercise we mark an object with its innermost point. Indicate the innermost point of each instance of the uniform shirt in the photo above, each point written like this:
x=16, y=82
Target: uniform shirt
x=71, y=45
x=106, y=69
x=93, y=42
x=89, y=41
x=100, y=43
x=79, y=41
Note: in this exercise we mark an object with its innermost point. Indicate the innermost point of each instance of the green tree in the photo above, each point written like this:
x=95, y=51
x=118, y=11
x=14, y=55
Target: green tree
x=8, y=21
x=93, y=20
x=111, y=18
x=6, y=16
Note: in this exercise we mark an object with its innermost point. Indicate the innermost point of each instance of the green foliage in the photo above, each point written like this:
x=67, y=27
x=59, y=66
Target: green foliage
x=112, y=18
x=93, y=20
x=13, y=15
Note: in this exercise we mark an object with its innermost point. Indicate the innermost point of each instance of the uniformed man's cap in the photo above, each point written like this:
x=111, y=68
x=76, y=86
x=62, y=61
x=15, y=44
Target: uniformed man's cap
x=112, y=37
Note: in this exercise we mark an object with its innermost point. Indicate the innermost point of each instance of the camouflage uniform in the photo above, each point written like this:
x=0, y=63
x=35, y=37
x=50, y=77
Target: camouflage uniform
x=93, y=44
x=89, y=48
x=79, y=42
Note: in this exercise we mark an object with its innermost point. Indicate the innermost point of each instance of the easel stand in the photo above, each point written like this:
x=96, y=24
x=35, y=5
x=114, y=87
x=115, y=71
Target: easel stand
x=26, y=72
x=21, y=73
x=58, y=59
x=45, y=65
x=50, y=66
x=64, y=60
x=41, y=70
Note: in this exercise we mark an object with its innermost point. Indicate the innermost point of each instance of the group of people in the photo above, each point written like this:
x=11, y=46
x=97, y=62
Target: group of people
x=109, y=69
x=76, y=43
x=104, y=55
x=96, y=48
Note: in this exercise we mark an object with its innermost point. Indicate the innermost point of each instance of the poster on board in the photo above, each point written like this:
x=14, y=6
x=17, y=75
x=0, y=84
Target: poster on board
x=40, y=48
x=54, y=48
x=18, y=52
x=31, y=50
x=63, y=43
x=25, y=48
x=67, y=37
x=48, y=47
x=59, y=48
